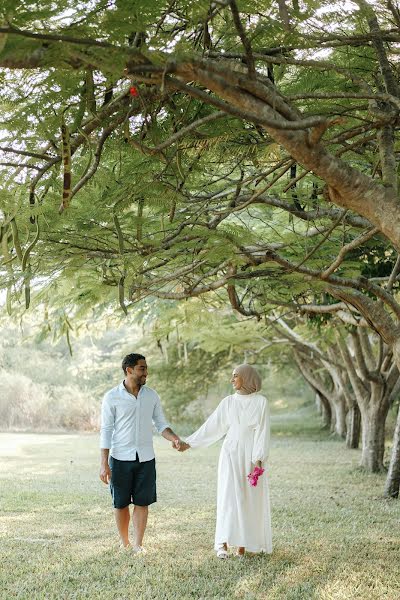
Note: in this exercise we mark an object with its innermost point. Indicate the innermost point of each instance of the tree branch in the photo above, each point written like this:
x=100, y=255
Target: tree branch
x=57, y=37
x=26, y=153
x=345, y=249
x=373, y=312
x=243, y=37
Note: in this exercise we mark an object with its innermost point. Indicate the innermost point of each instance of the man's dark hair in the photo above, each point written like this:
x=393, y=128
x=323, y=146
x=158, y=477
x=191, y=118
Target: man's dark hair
x=131, y=360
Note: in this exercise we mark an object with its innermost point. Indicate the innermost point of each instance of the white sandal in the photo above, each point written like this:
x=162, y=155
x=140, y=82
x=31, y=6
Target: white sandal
x=222, y=553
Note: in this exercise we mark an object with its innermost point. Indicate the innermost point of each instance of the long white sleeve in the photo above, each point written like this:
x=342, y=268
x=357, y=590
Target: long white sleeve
x=107, y=422
x=159, y=419
x=213, y=429
x=262, y=436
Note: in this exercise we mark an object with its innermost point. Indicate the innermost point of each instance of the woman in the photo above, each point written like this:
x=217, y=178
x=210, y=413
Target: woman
x=243, y=511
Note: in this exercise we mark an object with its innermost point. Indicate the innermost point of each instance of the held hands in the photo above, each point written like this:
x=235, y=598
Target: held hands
x=180, y=445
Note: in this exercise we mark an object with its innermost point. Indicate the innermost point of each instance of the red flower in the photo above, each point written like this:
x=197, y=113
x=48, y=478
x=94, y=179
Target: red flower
x=133, y=91
x=253, y=477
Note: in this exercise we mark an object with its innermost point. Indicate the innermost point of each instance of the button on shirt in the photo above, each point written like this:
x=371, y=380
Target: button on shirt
x=127, y=422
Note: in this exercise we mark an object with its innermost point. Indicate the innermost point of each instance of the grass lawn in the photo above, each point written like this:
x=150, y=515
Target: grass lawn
x=334, y=536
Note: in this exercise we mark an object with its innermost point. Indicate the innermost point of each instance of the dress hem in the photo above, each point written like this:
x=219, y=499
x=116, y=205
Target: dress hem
x=217, y=545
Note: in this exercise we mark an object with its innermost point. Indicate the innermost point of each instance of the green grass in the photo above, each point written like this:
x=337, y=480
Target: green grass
x=335, y=538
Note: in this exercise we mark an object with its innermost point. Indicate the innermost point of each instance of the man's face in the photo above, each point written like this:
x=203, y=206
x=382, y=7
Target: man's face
x=138, y=373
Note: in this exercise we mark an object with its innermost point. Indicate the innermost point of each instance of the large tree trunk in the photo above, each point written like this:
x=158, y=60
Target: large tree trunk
x=373, y=437
x=340, y=407
x=372, y=392
x=396, y=348
x=338, y=394
x=324, y=409
x=353, y=427
x=392, y=485
x=319, y=387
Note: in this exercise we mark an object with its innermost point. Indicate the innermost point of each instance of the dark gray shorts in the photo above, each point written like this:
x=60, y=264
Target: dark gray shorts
x=133, y=482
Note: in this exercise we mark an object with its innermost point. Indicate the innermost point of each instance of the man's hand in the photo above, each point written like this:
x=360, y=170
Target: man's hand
x=105, y=473
x=180, y=445
x=176, y=443
x=183, y=446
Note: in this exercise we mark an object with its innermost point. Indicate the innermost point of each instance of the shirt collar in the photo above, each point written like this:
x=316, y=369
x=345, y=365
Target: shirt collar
x=122, y=389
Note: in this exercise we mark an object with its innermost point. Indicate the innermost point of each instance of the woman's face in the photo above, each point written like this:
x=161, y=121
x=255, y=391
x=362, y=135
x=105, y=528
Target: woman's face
x=236, y=381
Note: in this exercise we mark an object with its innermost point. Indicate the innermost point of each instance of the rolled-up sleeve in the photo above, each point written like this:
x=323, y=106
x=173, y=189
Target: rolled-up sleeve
x=107, y=422
x=159, y=419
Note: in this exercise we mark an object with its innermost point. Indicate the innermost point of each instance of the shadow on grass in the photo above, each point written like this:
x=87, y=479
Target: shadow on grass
x=165, y=573
x=189, y=571
x=333, y=540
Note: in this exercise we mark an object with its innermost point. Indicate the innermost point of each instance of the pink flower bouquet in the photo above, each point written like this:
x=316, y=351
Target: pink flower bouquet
x=253, y=477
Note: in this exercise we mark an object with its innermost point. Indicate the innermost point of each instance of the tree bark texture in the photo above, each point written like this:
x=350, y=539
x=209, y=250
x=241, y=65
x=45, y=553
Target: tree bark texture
x=324, y=409
x=339, y=404
x=353, y=427
x=392, y=485
x=329, y=413
x=373, y=436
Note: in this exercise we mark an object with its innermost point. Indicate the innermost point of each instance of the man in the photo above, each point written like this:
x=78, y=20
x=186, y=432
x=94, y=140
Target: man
x=127, y=455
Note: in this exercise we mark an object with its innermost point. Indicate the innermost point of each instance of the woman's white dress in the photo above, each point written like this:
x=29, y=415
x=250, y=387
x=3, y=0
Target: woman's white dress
x=243, y=512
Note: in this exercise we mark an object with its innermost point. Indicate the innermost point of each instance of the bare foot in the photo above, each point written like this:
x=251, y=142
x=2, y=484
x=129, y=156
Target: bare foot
x=125, y=546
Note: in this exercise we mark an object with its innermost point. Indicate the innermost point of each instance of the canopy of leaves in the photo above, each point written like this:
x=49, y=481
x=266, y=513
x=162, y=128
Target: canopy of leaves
x=168, y=186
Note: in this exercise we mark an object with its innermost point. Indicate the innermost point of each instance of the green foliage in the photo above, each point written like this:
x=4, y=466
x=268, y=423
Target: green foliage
x=215, y=203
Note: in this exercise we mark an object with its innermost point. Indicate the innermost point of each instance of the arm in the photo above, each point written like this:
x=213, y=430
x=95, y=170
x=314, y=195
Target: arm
x=162, y=426
x=213, y=429
x=106, y=431
x=105, y=471
x=169, y=435
x=262, y=437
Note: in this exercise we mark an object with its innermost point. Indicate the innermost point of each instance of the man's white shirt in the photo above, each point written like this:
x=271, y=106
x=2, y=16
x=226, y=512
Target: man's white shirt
x=127, y=422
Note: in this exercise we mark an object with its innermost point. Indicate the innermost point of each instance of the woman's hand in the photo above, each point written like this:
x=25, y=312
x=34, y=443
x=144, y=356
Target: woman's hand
x=180, y=445
x=256, y=473
x=183, y=447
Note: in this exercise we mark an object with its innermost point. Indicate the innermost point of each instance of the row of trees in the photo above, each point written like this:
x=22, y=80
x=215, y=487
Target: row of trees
x=349, y=369
x=244, y=150
x=356, y=383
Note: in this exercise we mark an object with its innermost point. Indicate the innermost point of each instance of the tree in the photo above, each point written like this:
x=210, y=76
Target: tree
x=163, y=102
x=236, y=86
x=355, y=378
x=144, y=117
